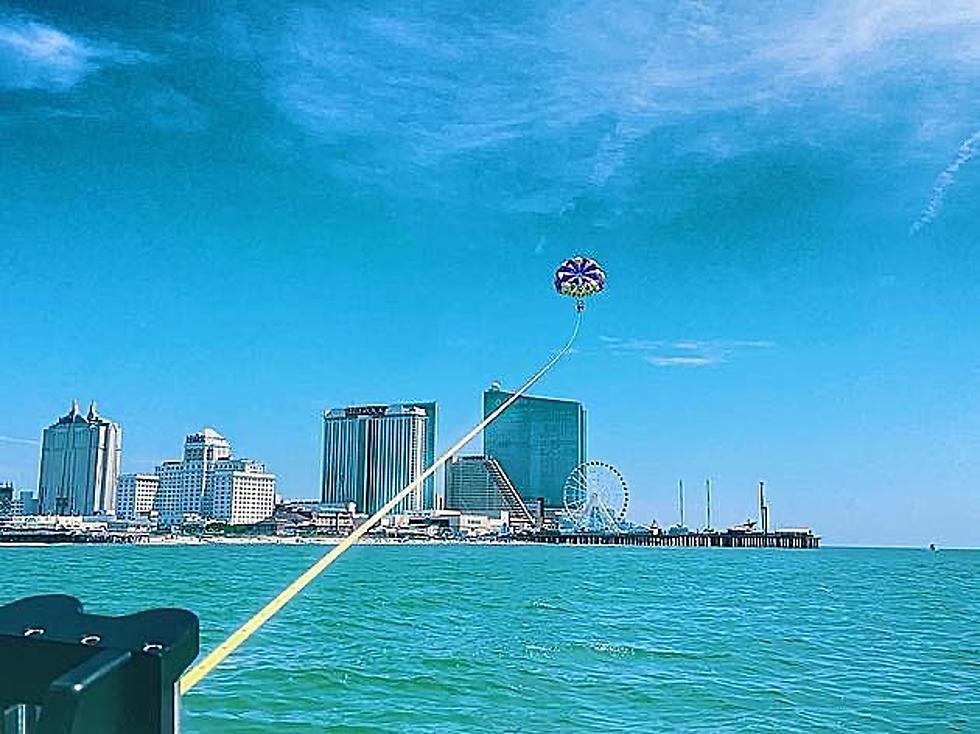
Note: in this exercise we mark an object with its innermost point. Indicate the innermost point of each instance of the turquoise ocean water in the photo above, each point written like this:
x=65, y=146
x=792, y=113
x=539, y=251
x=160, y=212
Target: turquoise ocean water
x=524, y=638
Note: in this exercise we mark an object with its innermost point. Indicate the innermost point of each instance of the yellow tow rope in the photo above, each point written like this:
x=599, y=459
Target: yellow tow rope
x=193, y=676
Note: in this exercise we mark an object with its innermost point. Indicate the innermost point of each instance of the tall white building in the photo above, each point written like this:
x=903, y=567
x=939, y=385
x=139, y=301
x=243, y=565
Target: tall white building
x=79, y=464
x=183, y=483
x=239, y=492
x=209, y=482
x=371, y=452
x=136, y=495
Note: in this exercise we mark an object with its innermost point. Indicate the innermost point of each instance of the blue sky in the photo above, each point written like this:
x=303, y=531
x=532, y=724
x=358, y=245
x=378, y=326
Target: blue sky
x=238, y=216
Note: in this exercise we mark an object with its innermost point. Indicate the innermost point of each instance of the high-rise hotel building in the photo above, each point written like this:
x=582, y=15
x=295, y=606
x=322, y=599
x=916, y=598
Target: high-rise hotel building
x=371, y=452
x=208, y=481
x=538, y=442
x=183, y=483
x=79, y=464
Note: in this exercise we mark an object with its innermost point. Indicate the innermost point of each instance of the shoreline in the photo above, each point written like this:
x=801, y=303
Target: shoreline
x=269, y=540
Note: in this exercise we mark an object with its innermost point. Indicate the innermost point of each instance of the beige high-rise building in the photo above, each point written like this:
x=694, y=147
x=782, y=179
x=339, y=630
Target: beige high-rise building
x=209, y=482
x=183, y=483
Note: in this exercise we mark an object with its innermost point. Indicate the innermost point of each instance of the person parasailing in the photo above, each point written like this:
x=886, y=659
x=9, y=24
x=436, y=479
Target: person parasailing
x=579, y=277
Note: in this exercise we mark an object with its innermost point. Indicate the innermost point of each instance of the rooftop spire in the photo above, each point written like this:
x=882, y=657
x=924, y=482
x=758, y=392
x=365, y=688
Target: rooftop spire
x=73, y=411
x=93, y=412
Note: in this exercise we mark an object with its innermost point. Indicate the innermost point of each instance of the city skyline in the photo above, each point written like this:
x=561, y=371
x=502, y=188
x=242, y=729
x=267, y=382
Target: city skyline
x=241, y=216
x=188, y=486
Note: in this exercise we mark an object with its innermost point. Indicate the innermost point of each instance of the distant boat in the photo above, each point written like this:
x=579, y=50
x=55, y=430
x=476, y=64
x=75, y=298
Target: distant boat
x=932, y=546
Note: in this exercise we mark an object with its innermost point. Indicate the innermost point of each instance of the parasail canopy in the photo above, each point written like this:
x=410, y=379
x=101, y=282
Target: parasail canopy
x=579, y=277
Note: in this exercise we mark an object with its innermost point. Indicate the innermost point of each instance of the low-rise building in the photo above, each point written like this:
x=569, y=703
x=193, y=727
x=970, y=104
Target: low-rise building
x=447, y=524
x=136, y=495
x=25, y=503
x=310, y=517
x=479, y=485
x=239, y=492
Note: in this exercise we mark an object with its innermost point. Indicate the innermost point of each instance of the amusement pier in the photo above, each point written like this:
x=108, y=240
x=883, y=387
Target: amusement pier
x=789, y=538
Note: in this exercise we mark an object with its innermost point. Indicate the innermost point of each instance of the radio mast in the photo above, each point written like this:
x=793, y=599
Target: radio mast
x=680, y=497
x=707, y=490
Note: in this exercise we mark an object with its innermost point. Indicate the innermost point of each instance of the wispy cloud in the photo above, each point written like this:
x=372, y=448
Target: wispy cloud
x=828, y=42
x=34, y=55
x=169, y=110
x=19, y=441
x=680, y=353
x=967, y=150
x=682, y=361
x=406, y=87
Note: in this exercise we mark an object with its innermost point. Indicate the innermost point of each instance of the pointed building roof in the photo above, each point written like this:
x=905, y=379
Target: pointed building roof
x=72, y=416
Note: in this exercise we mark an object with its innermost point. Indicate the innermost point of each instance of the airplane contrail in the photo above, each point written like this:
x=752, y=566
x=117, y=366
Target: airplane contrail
x=968, y=148
x=24, y=441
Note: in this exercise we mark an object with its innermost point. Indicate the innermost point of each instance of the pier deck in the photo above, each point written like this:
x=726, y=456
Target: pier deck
x=778, y=539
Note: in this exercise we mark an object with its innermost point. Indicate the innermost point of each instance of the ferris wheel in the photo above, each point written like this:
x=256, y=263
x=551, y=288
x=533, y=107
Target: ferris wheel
x=596, y=497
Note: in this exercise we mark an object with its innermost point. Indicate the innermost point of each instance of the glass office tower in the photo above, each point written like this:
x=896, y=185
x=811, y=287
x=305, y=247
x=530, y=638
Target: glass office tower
x=538, y=442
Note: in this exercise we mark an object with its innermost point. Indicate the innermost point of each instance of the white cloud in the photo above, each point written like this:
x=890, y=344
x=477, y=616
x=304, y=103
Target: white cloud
x=37, y=56
x=681, y=353
x=878, y=34
x=681, y=361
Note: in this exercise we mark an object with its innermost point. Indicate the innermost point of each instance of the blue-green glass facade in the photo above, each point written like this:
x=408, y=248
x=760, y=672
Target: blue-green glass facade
x=538, y=441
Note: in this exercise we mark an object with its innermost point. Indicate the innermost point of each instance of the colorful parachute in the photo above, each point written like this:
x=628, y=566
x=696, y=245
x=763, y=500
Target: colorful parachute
x=579, y=277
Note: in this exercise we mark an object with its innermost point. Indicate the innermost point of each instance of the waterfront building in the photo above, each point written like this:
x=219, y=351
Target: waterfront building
x=444, y=524
x=6, y=499
x=136, y=495
x=479, y=485
x=25, y=503
x=239, y=492
x=429, y=457
x=79, y=464
x=209, y=483
x=371, y=452
x=538, y=442
x=311, y=517
x=183, y=483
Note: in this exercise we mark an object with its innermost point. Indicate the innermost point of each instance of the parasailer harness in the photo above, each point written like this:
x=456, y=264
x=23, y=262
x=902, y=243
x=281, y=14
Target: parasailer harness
x=194, y=676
